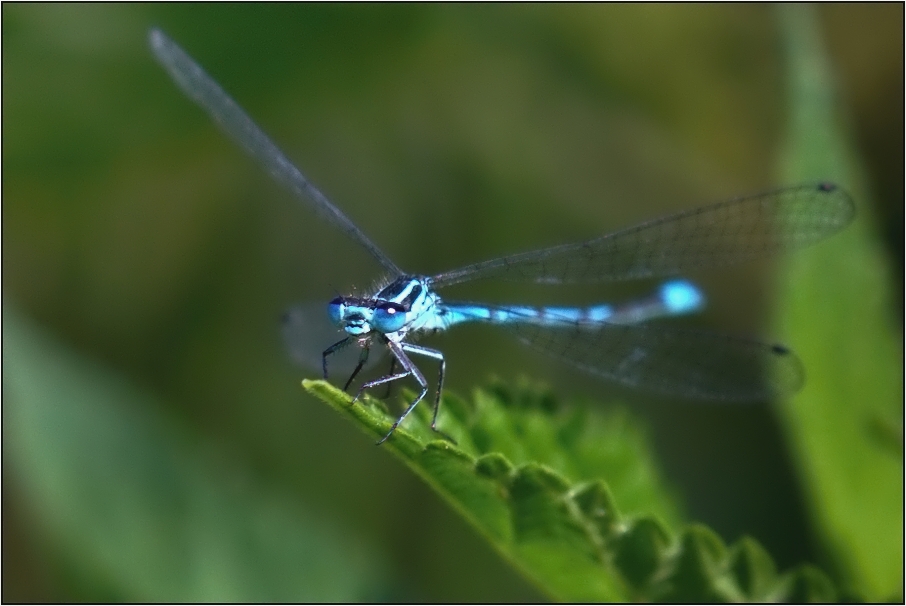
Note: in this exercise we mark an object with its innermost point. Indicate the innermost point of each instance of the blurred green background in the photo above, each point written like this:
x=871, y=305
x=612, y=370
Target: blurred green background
x=156, y=258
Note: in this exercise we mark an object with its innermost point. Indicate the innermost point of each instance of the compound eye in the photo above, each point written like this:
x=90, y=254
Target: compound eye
x=391, y=307
x=335, y=311
x=389, y=317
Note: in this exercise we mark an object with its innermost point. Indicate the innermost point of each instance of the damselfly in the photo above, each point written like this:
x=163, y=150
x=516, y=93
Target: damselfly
x=611, y=341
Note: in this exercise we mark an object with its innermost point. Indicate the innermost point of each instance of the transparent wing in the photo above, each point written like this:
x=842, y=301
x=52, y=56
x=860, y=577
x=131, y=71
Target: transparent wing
x=307, y=332
x=202, y=89
x=673, y=361
x=711, y=236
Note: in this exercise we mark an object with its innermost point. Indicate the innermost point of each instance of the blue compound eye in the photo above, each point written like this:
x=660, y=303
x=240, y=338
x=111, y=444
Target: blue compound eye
x=389, y=317
x=335, y=311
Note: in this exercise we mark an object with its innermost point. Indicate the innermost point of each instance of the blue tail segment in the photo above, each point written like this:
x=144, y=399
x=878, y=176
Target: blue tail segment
x=682, y=297
x=674, y=298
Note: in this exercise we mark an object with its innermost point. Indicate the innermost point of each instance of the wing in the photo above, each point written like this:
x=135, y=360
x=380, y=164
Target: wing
x=711, y=236
x=681, y=362
x=307, y=332
x=199, y=87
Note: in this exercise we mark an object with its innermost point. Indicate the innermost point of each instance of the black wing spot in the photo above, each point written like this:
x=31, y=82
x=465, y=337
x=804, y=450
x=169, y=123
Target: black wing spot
x=780, y=350
x=826, y=187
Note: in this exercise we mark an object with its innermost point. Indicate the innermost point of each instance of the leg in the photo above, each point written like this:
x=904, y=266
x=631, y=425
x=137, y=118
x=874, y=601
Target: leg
x=395, y=351
x=410, y=369
x=332, y=350
x=363, y=357
x=392, y=370
x=381, y=381
x=433, y=353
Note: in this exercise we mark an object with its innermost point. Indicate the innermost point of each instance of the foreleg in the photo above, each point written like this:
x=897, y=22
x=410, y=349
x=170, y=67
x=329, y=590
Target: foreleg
x=332, y=350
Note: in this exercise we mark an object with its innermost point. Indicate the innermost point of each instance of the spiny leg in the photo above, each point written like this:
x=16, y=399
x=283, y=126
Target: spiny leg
x=439, y=356
x=392, y=370
x=410, y=369
x=332, y=350
x=363, y=357
x=407, y=370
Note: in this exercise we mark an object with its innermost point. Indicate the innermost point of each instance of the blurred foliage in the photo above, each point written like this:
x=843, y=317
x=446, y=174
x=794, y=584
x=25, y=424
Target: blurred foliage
x=855, y=491
x=160, y=258
x=129, y=498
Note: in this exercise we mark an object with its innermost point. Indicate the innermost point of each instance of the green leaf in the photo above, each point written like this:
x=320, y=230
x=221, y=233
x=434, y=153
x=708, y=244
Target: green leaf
x=754, y=570
x=145, y=510
x=845, y=427
x=538, y=481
